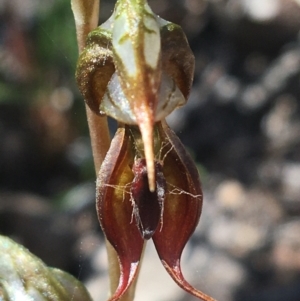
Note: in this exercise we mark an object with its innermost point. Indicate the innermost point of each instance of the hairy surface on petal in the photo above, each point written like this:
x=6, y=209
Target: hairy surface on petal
x=95, y=67
x=183, y=200
x=115, y=210
x=116, y=105
x=182, y=207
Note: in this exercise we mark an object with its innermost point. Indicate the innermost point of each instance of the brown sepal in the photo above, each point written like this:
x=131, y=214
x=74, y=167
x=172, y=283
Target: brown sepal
x=182, y=209
x=95, y=67
x=114, y=209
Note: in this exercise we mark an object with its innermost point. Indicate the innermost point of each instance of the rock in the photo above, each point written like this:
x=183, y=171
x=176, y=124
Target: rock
x=243, y=219
x=286, y=249
x=291, y=186
x=214, y=273
x=230, y=194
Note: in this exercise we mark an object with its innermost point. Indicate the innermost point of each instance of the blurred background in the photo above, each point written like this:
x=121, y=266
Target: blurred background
x=241, y=124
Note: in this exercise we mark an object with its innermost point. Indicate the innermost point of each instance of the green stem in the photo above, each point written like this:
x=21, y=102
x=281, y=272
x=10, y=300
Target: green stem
x=86, y=15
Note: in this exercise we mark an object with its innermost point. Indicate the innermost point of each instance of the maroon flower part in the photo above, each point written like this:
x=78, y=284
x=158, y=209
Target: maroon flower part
x=147, y=205
x=130, y=213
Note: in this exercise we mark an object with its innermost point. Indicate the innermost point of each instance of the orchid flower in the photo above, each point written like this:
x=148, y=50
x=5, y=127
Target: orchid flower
x=137, y=68
x=130, y=213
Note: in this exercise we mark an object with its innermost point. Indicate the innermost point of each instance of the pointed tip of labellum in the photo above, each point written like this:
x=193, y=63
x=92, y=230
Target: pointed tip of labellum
x=146, y=128
x=128, y=274
x=176, y=273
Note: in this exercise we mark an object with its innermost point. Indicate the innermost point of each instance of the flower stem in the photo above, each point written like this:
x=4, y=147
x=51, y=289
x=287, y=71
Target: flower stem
x=86, y=15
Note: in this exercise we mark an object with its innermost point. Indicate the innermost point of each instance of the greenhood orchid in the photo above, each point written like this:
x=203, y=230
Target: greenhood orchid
x=137, y=68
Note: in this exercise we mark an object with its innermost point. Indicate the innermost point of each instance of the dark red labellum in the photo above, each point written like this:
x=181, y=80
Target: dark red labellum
x=147, y=206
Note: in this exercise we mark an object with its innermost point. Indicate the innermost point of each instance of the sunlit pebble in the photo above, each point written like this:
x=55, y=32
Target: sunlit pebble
x=253, y=97
x=290, y=181
x=286, y=66
x=225, y=271
x=237, y=237
x=234, y=273
x=291, y=61
x=262, y=10
x=291, y=175
x=230, y=194
x=62, y=99
x=205, y=268
x=276, y=125
x=270, y=172
x=274, y=78
x=286, y=251
x=227, y=88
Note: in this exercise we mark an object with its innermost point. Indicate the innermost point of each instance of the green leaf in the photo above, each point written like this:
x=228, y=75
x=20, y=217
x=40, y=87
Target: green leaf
x=25, y=277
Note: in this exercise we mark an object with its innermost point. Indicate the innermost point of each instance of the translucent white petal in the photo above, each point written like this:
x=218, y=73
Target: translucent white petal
x=122, y=45
x=117, y=106
x=152, y=41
